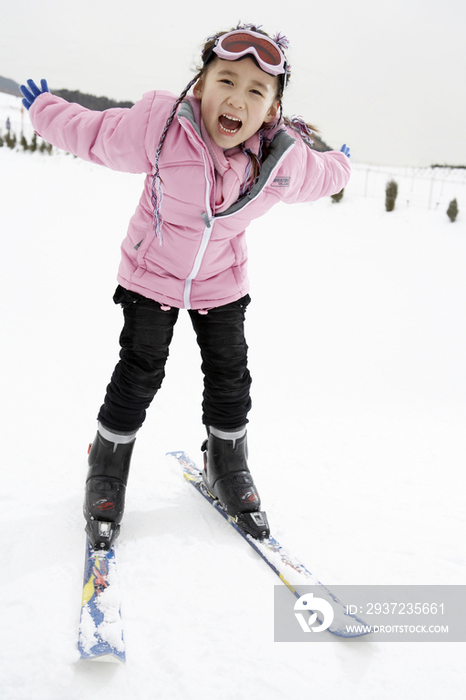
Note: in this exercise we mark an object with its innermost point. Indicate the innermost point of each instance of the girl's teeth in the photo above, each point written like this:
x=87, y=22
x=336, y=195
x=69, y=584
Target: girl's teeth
x=229, y=124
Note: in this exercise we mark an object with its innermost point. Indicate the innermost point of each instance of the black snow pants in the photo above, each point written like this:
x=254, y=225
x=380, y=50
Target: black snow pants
x=145, y=341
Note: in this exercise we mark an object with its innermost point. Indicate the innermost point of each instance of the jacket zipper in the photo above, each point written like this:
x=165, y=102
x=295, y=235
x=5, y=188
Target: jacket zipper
x=209, y=222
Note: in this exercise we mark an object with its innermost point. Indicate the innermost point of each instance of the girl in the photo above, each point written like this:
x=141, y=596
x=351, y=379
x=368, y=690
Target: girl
x=214, y=160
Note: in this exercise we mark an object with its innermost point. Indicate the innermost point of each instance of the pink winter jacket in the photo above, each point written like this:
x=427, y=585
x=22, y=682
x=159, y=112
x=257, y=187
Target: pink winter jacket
x=202, y=262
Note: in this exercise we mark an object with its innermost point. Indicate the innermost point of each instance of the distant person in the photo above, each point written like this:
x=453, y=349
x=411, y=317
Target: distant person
x=8, y=124
x=214, y=161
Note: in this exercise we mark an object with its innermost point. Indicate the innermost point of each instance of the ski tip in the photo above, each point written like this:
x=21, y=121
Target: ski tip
x=108, y=658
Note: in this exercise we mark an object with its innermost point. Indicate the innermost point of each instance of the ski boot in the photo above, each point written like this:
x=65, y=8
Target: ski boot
x=104, y=502
x=227, y=477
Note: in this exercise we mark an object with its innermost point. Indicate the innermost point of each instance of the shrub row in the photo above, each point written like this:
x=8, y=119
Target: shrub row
x=10, y=141
x=391, y=193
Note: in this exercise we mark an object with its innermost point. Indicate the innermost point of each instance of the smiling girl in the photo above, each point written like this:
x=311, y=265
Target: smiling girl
x=214, y=161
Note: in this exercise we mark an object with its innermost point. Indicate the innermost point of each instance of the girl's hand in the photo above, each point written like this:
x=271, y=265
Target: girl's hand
x=33, y=92
x=345, y=149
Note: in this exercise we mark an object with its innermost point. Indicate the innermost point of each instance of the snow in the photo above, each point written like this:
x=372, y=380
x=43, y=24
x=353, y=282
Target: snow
x=357, y=441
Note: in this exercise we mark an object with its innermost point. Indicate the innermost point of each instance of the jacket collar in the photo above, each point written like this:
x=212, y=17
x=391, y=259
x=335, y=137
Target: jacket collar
x=281, y=143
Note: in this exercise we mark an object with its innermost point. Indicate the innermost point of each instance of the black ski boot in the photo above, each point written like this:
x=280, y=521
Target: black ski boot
x=227, y=477
x=104, y=502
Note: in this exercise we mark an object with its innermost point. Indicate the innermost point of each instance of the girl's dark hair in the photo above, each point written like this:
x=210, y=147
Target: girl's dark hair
x=304, y=130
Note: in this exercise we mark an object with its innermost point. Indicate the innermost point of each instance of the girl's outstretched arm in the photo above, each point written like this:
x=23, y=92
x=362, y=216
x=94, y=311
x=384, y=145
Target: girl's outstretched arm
x=115, y=137
x=312, y=175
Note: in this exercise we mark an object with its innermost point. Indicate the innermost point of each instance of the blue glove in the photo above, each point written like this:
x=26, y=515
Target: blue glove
x=31, y=94
x=345, y=149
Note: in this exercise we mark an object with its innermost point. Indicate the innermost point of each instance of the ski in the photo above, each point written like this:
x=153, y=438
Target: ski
x=286, y=566
x=100, y=627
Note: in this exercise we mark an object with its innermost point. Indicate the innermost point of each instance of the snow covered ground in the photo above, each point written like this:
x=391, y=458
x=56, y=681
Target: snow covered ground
x=357, y=442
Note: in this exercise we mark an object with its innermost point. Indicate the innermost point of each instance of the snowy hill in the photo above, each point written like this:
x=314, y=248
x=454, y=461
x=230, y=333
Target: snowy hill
x=357, y=440
x=9, y=86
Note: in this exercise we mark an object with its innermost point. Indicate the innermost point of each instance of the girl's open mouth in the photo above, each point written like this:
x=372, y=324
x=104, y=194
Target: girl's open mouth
x=229, y=124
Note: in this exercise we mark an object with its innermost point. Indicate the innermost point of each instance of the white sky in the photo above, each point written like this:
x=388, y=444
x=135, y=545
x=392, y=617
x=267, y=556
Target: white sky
x=386, y=78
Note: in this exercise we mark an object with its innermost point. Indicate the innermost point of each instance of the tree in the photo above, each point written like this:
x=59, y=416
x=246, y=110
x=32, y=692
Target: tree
x=452, y=210
x=45, y=147
x=339, y=195
x=10, y=140
x=391, y=192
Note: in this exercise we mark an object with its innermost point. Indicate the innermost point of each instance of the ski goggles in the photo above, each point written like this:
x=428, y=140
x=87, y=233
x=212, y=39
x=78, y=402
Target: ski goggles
x=239, y=43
